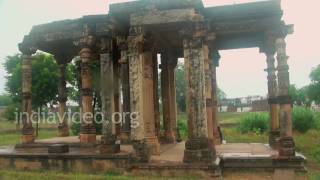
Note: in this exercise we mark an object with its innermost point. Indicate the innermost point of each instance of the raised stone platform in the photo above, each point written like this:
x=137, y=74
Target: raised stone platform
x=86, y=158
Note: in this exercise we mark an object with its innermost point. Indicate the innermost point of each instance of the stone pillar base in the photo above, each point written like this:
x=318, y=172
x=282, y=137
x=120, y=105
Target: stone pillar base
x=142, y=151
x=87, y=138
x=125, y=137
x=274, y=137
x=199, y=150
x=154, y=145
x=63, y=130
x=109, y=149
x=108, y=145
x=27, y=139
x=169, y=137
x=287, y=147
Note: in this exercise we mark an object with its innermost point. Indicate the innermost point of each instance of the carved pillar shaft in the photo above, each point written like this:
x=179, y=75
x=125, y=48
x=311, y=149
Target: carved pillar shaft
x=273, y=104
x=214, y=63
x=63, y=129
x=199, y=148
x=27, y=129
x=169, y=97
x=108, y=139
x=87, y=130
x=126, y=124
x=142, y=95
x=287, y=146
x=208, y=91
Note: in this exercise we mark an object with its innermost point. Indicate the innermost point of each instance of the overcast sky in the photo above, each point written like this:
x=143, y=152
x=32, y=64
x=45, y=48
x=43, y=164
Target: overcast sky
x=241, y=72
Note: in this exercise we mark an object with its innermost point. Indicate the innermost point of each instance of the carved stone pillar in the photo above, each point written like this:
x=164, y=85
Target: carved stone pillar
x=199, y=148
x=214, y=63
x=208, y=91
x=63, y=128
x=142, y=95
x=27, y=129
x=87, y=130
x=287, y=146
x=108, y=139
x=274, y=133
x=126, y=124
x=168, y=90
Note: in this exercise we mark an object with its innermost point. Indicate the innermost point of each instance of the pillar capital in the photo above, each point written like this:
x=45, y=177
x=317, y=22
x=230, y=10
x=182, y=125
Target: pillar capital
x=215, y=57
x=27, y=50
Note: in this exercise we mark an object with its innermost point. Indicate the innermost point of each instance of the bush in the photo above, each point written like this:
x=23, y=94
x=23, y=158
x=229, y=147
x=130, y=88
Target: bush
x=11, y=111
x=303, y=119
x=254, y=122
x=182, y=126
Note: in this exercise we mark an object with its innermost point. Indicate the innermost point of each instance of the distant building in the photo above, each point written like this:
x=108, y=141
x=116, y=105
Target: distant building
x=244, y=104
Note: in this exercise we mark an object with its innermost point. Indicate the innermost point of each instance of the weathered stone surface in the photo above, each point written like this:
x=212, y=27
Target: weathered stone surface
x=58, y=148
x=281, y=174
x=286, y=141
x=165, y=17
x=168, y=92
x=213, y=64
x=141, y=88
x=199, y=148
x=142, y=151
x=27, y=129
x=87, y=130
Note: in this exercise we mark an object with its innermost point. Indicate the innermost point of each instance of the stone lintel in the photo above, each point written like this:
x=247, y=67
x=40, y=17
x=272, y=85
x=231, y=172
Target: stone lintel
x=165, y=17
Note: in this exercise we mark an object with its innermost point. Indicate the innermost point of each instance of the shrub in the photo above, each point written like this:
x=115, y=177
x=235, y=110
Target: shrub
x=11, y=111
x=182, y=126
x=254, y=122
x=303, y=119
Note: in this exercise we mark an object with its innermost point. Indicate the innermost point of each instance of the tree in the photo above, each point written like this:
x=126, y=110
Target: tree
x=45, y=78
x=314, y=88
x=5, y=100
x=299, y=96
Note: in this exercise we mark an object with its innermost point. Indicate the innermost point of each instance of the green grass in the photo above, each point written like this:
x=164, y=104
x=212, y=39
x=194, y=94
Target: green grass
x=232, y=135
x=50, y=175
x=230, y=118
x=14, y=138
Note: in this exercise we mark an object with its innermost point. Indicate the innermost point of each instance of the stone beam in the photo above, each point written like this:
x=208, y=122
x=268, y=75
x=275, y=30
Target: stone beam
x=165, y=17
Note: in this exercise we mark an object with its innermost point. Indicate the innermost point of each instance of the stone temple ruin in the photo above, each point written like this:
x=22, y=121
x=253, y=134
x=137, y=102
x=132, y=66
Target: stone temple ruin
x=126, y=43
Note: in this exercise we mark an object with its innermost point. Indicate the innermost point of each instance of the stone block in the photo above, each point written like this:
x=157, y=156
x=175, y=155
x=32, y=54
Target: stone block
x=87, y=138
x=58, y=148
x=27, y=139
x=282, y=174
x=4, y=163
x=25, y=164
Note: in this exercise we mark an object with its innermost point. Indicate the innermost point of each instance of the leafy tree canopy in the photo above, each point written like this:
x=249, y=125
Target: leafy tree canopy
x=45, y=78
x=5, y=100
x=314, y=87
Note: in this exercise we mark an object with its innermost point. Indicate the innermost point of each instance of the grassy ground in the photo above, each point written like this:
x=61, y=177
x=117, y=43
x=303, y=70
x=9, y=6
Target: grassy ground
x=14, y=138
x=50, y=175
